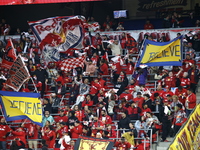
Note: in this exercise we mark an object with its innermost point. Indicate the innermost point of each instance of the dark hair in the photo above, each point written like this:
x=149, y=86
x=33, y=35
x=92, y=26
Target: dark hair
x=147, y=95
x=156, y=94
x=179, y=105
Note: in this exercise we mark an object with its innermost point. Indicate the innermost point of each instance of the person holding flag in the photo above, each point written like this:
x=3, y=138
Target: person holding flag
x=4, y=132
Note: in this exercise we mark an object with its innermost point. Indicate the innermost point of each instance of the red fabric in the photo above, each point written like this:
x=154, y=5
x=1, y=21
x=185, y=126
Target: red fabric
x=131, y=88
x=192, y=77
x=31, y=130
x=182, y=95
x=4, y=129
x=164, y=95
x=144, y=111
x=67, y=146
x=148, y=26
x=160, y=92
x=127, y=96
x=62, y=130
x=170, y=81
x=139, y=101
x=61, y=118
x=21, y=135
x=129, y=69
x=95, y=87
x=123, y=42
x=50, y=138
x=60, y=78
x=122, y=146
x=106, y=120
x=192, y=101
x=104, y=69
x=95, y=125
x=76, y=131
x=79, y=115
x=118, y=67
x=87, y=103
x=185, y=82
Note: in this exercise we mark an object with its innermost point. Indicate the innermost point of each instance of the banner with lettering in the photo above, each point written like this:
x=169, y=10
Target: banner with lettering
x=61, y=33
x=18, y=74
x=93, y=143
x=188, y=137
x=24, y=2
x=162, y=53
x=21, y=105
x=147, y=5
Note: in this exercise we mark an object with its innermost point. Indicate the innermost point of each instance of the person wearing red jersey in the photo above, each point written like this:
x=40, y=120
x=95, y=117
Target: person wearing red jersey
x=187, y=62
x=127, y=95
x=179, y=118
x=88, y=101
x=167, y=92
x=64, y=141
x=101, y=80
x=62, y=117
x=133, y=111
x=122, y=144
x=20, y=134
x=76, y=130
x=103, y=70
x=159, y=90
x=59, y=77
x=32, y=134
x=104, y=118
x=131, y=86
x=170, y=80
x=182, y=94
x=190, y=102
x=78, y=113
x=95, y=87
x=185, y=81
x=95, y=58
x=96, y=125
x=118, y=111
x=63, y=129
x=50, y=136
x=193, y=74
x=69, y=146
x=4, y=132
x=112, y=132
x=129, y=67
x=139, y=99
x=148, y=25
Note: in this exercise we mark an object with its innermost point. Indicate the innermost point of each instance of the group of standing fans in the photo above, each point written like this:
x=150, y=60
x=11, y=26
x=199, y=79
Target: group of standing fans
x=108, y=98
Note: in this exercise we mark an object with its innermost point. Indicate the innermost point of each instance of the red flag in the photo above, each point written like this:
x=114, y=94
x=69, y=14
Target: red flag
x=105, y=56
x=71, y=63
x=9, y=55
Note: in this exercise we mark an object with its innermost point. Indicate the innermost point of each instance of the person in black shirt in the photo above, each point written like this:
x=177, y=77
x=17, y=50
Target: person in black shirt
x=124, y=121
x=47, y=105
x=42, y=76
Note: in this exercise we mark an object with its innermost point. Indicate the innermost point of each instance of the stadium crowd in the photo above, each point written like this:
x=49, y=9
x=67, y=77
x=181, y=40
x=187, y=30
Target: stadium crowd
x=107, y=99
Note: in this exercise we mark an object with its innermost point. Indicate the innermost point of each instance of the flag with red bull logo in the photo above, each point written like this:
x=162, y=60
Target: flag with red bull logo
x=59, y=33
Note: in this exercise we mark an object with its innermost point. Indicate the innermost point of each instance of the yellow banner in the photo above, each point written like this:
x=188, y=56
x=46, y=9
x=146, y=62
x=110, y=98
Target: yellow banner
x=162, y=53
x=188, y=137
x=20, y=105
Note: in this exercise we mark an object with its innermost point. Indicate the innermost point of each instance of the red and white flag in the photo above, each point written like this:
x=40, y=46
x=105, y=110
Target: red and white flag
x=105, y=56
x=9, y=55
x=71, y=63
x=18, y=74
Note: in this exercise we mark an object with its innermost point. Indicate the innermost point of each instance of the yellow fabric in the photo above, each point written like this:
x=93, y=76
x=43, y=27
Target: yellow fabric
x=129, y=138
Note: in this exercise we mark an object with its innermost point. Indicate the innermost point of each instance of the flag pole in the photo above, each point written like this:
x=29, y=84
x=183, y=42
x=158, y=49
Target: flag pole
x=2, y=109
x=140, y=52
x=34, y=85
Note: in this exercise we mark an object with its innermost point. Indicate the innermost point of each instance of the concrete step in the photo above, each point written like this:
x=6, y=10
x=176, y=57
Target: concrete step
x=164, y=145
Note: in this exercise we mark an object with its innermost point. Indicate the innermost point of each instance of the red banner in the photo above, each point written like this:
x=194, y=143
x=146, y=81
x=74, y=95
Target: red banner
x=22, y=2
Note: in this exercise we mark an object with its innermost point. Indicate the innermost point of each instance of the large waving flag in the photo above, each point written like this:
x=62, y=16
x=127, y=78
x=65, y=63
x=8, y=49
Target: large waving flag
x=18, y=74
x=89, y=143
x=60, y=33
x=71, y=63
x=162, y=53
x=21, y=105
x=9, y=55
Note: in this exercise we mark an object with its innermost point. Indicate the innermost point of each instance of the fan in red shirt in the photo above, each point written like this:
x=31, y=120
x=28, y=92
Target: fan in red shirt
x=69, y=146
x=112, y=132
x=103, y=70
x=4, y=132
x=76, y=130
x=19, y=133
x=182, y=94
x=50, y=136
x=96, y=125
x=122, y=144
x=185, y=81
x=118, y=111
x=159, y=91
x=101, y=81
x=62, y=117
x=104, y=118
x=139, y=99
x=148, y=25
x=170, y=80
x=95, y=87
x=32, y=134
x=78, y=113
x=127, y=95
x=167, y=92
x=88, y=101
x=187, y=62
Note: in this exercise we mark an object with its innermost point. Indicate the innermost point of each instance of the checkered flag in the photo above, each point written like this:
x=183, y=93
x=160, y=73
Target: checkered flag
x=72, y=63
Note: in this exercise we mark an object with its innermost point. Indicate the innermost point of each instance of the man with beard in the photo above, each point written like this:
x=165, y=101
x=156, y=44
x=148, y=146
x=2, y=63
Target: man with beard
x=47, y=117
x=96, y=125
x=4, y=132
x=106, y=119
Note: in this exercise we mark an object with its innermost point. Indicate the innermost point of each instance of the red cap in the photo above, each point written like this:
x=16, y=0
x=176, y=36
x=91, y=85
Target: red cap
x=165, y=101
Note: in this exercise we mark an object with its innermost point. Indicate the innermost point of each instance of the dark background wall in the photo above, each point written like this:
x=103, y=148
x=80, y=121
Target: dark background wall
x=17, y=16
